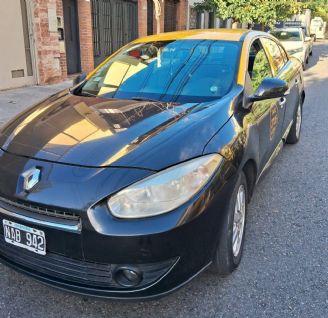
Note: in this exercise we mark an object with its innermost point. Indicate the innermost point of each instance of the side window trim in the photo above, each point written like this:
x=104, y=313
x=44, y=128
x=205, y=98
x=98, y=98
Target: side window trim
x=265, y=52
x=249, y=46
x=284, y=53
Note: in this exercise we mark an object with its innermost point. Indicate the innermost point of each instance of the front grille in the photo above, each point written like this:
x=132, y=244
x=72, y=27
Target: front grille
x=77, y=272
x=41, y=210
x=60, y=267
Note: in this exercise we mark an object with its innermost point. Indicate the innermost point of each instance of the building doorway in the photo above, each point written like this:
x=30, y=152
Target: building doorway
x=72, y=40
x=170, y=15
x=115, y=23
x=150, y=17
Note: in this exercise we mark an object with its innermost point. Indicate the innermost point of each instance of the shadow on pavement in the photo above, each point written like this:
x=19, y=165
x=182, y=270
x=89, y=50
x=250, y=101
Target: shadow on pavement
x=320, y=51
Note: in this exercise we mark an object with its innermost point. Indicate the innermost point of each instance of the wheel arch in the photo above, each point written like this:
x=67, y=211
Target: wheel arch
x=250, y=171
x=303, y=97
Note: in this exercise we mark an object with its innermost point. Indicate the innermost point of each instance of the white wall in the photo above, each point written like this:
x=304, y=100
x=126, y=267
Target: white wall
x=12, y=48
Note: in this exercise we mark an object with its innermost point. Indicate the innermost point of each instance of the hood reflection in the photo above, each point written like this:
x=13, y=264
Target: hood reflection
x=52, y=130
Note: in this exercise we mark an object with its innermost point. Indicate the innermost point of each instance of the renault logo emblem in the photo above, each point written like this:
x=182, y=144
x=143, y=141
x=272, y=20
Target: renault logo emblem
x=31, y=178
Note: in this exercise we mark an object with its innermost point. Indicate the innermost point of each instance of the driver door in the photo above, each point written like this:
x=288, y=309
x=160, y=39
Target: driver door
x=284, y=70
x=267, y=115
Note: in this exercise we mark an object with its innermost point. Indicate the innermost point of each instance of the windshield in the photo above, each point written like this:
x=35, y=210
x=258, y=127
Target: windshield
x=284, y=35
x=170, y=71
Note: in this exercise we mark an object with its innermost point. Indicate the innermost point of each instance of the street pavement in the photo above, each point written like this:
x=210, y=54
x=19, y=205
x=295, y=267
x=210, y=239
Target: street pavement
x=15, y=100
x=284, y=270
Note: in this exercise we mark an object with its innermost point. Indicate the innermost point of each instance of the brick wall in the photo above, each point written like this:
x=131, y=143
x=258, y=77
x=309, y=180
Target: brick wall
x=182, y=15
x=86, y=41
x=52, y=64
x=62, y=59
x=47, y=45
x=142, y=18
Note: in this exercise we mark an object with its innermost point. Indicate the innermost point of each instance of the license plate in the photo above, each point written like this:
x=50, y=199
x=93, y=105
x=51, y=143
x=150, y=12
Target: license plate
x=24, y=236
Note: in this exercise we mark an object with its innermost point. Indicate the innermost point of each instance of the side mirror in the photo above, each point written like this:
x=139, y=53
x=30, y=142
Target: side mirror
x=78, y=79
x=269, y=88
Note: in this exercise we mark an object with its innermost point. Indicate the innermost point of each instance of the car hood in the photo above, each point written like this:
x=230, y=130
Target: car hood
x=96, y=132
x=292, y=45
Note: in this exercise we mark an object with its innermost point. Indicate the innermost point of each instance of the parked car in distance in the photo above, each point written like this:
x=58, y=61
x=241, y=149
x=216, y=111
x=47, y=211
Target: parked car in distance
x=309, y=37
x=318, y=27
x=138, y=178
x=295, y=42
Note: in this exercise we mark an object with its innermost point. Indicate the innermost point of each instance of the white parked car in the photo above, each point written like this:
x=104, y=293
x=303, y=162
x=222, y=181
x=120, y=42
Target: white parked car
x=318, y=27
x=295, y=43
x=308, y=35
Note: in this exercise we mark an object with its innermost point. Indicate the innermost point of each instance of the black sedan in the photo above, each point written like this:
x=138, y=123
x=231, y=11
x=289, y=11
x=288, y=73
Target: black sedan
x=138, y=178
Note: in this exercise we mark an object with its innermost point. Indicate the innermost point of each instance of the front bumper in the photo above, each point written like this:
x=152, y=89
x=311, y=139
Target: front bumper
x=78, y=276
x=166, y=260
x=168, y=250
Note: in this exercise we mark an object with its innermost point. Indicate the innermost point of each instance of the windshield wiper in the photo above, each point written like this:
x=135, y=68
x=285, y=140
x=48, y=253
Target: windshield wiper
x=87, y=94
x=144, y=99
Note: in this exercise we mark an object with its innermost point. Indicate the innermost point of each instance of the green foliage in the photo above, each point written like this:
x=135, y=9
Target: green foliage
x=261, y=69
x=251, y=11
x=319, y=8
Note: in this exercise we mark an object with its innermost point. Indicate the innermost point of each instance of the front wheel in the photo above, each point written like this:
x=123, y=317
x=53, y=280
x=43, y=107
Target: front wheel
x=231, y=241
x=295, y=131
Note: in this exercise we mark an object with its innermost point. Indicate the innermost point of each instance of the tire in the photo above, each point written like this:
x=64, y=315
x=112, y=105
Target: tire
x=227, y=258
x=295, y=131
x=311, y=53
x=307, y=60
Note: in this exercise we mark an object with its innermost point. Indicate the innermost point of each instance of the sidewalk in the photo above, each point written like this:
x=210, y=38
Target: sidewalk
x=15, y=100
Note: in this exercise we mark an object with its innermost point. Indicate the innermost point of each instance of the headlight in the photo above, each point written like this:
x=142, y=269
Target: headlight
x=164, y=191
x=299, y=50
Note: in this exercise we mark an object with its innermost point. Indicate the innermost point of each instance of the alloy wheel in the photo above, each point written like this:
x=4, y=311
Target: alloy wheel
x=239, y=220
x=298, y=121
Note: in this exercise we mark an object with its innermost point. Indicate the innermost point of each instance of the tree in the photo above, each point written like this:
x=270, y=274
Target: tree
x=266, y=12
x=158, y=13
x=319, y=8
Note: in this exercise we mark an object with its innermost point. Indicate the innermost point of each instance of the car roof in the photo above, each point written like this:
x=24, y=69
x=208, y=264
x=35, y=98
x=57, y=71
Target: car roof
x=202, y=34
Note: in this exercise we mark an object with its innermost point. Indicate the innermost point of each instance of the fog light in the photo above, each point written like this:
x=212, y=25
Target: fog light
x=127, y=277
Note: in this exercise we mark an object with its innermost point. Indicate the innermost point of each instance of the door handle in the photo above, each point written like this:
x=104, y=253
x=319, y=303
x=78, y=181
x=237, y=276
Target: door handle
x=282, y=102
